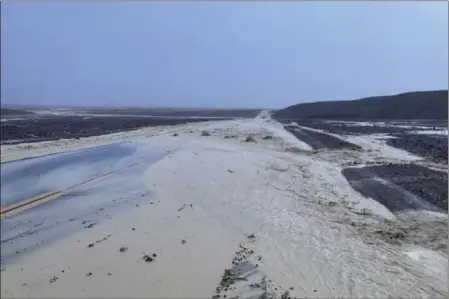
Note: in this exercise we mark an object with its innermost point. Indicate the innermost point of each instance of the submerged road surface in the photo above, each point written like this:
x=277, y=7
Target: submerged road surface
x=49, y=197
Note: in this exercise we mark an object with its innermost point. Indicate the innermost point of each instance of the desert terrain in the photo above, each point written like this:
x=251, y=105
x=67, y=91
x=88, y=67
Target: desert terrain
x=246, y=207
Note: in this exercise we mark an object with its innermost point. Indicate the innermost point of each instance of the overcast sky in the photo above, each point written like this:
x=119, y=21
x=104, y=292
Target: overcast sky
x=219, y=54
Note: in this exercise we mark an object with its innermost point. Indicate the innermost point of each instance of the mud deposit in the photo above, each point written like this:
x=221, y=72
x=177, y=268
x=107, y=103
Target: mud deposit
x=319, y=140
x=401, y=186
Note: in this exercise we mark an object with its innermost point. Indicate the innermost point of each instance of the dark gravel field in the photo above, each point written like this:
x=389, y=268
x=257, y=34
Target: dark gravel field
x=246, y=113
x=54, y=128
x=319, y=140
x=433, y=148
x=31, y=127
x=401, y=186
x=353, y=129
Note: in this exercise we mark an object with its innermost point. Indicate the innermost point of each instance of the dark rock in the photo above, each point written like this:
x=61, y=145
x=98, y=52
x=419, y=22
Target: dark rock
x=250, y=138
x=53, y=279
x=251, y=236
x=147, y=258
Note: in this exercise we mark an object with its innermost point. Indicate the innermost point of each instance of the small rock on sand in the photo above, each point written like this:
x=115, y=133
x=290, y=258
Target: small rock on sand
x=53, y=279
x=147, y=258
x=250, y=138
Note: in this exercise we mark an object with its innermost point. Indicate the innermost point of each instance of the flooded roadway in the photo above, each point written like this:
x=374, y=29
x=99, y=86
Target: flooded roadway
x=50, y=197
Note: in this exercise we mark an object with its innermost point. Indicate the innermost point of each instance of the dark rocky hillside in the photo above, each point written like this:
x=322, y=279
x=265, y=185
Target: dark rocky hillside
x=410, y=105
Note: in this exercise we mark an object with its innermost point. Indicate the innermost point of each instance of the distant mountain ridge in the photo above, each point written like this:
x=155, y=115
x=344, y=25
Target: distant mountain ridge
x=409, y=105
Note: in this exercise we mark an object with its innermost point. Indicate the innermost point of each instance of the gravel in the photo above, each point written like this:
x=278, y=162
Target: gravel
x=54, y=128
x=402, y=186
x=390, y=127
x=319, y=140
x=433, y=148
